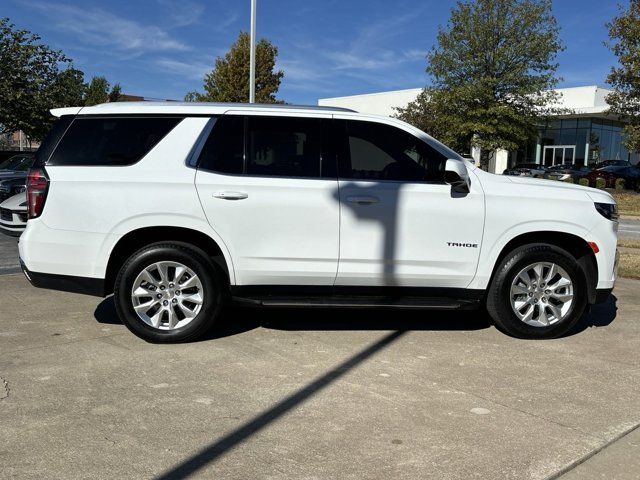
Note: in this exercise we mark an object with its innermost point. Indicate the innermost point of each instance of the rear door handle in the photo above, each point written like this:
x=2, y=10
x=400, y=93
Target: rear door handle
x=363, y=200
x=230, y=195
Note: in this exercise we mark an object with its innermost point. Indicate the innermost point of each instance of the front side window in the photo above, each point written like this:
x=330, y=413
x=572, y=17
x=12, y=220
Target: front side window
x=382, y=152
x=268, y=146
x=113, y=141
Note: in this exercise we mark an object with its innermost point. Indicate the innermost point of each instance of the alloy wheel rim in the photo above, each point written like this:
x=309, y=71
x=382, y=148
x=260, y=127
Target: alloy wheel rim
x=167, y=295
x=542, y=294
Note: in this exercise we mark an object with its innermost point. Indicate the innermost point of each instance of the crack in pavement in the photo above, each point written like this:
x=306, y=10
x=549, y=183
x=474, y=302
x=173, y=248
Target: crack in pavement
x=591, y=454
x=4, y=388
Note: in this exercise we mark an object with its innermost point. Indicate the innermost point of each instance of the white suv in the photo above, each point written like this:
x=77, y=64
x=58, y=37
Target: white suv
x=178, y=208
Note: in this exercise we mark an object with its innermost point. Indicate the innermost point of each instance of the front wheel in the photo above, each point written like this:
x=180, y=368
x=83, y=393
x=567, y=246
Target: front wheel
x=168, y=292
x=538, y=292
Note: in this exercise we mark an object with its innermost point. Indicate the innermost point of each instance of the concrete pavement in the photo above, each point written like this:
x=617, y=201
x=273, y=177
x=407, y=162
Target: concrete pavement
x=310, y=394
x=629, y=228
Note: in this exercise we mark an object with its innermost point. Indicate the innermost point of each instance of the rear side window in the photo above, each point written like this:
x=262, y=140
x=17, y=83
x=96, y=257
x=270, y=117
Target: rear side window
x=51, y=140
x=284, y=147
x=269, y=146
x=382, y=152
x=110, y=141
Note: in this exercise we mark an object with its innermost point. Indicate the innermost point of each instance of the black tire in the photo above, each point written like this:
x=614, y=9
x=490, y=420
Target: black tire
x=499, y=294
x=197, y=260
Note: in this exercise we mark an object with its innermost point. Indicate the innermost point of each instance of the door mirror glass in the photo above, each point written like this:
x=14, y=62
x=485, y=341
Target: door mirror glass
x=456, y=175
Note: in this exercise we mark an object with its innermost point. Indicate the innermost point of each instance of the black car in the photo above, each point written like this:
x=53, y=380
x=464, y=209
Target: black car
x=563, y=172
x=16, y=166
x=526, y=170
x=11, y=187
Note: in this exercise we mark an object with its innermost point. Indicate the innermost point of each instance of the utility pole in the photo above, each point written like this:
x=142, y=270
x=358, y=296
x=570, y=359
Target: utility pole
x=252, y=55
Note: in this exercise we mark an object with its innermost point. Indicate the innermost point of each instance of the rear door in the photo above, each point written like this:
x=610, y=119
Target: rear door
x=269, y=189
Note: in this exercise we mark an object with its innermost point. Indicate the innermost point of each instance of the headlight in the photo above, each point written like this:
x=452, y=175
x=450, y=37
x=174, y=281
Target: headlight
x=608, y=210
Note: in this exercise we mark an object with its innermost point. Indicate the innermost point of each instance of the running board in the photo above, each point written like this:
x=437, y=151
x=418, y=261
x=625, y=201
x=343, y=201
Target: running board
x=408, y=303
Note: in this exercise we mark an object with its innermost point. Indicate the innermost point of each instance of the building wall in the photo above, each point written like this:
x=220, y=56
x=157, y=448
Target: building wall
x=584, y=123
x=383, y=103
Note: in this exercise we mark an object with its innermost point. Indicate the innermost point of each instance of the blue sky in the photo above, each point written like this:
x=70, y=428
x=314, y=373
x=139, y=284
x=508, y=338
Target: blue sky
x=162, y=48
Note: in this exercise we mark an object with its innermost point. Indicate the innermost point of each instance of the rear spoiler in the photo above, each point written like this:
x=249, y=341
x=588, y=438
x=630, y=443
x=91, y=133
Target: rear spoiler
x=58, y=112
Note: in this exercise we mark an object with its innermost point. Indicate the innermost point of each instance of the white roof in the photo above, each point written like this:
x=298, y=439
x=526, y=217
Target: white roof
x=187, y=108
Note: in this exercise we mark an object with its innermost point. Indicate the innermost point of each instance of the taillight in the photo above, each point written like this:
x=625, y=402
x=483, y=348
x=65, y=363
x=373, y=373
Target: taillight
x=37, y=187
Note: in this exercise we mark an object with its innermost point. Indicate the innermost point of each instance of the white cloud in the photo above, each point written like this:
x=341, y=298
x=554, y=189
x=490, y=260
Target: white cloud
x=191, y=70
x=100, y=28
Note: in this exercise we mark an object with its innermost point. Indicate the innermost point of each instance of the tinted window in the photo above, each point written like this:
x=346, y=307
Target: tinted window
x=51, y=140
x=224, y=149
x=110, y=141
x=268, y=146
x=383, y=152
x=284, y=147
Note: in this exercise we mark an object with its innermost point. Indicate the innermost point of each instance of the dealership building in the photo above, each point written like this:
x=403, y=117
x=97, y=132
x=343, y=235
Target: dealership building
x=584, y=134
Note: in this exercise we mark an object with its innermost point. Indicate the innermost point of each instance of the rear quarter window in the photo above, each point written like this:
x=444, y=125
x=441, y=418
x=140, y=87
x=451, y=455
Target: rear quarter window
x=107, y=141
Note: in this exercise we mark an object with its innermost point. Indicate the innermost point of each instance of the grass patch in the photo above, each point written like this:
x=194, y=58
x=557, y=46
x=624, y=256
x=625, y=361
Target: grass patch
x=628, y=202
x=629, y=243
x=629, y=265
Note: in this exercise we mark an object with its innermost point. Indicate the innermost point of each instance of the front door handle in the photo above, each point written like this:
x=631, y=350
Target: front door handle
x=230, y=195
x=363, y=199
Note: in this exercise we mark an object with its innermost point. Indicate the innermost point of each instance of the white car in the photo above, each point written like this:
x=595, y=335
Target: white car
x=13, y=215
x=179, y=208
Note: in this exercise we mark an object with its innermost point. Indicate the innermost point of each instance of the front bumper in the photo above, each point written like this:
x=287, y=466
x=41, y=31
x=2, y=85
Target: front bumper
x=65, y=283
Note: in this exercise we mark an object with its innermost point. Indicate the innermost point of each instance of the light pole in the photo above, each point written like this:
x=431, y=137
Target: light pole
x=252, y=55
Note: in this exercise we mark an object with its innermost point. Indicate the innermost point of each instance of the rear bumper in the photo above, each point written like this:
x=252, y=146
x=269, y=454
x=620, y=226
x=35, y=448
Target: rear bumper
x=65, y=283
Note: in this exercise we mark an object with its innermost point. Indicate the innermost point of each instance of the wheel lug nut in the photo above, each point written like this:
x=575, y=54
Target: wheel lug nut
x=544, y=299
x=531, y=294
x=162, y=287
x=547, y=292
x=158, y=296
x=177, y=292
x=165, y=303
x=175, y=300
x=171, y=285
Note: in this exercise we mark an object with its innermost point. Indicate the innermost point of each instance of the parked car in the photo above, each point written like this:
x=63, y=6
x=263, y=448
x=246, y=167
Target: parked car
x=179, y=208
x=11, y=187
x=612, y=163
x=564, y=172
x=13, y=215
x=526, y=170
x=16, y=166
x=630, y=175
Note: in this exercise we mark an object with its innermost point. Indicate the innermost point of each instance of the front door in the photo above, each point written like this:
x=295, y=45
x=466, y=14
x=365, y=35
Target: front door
x=269, y=195
x=559, y=155
x=401, y=225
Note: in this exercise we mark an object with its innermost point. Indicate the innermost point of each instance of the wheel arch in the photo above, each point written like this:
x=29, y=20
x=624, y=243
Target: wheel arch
x=574, y=245
x=141, y=237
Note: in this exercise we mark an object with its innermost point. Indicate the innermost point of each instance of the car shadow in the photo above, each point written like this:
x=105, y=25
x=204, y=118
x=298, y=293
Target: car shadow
x=236, y=320
x=599, y=315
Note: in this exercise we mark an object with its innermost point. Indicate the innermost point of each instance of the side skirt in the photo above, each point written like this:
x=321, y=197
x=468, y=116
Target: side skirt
x=357, y=297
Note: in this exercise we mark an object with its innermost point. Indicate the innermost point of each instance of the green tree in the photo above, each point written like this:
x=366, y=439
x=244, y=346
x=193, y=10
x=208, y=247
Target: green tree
x=624, y=31
x=492, y=71
x=229, y=80
x=115, y=93
x=70, y=88
x=97, y=91
x=29, y=81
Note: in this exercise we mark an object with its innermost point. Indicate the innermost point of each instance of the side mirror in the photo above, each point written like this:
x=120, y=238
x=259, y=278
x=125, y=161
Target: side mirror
x=456, y=175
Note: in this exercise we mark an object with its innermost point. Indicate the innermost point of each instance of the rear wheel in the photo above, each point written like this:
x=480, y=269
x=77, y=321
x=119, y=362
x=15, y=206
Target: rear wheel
x=538, y=291
x=168, y=292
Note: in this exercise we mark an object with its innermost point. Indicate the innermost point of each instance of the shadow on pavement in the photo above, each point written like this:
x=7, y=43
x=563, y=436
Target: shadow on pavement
x=216, y=449
x=237, y=320
x=600, y=315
